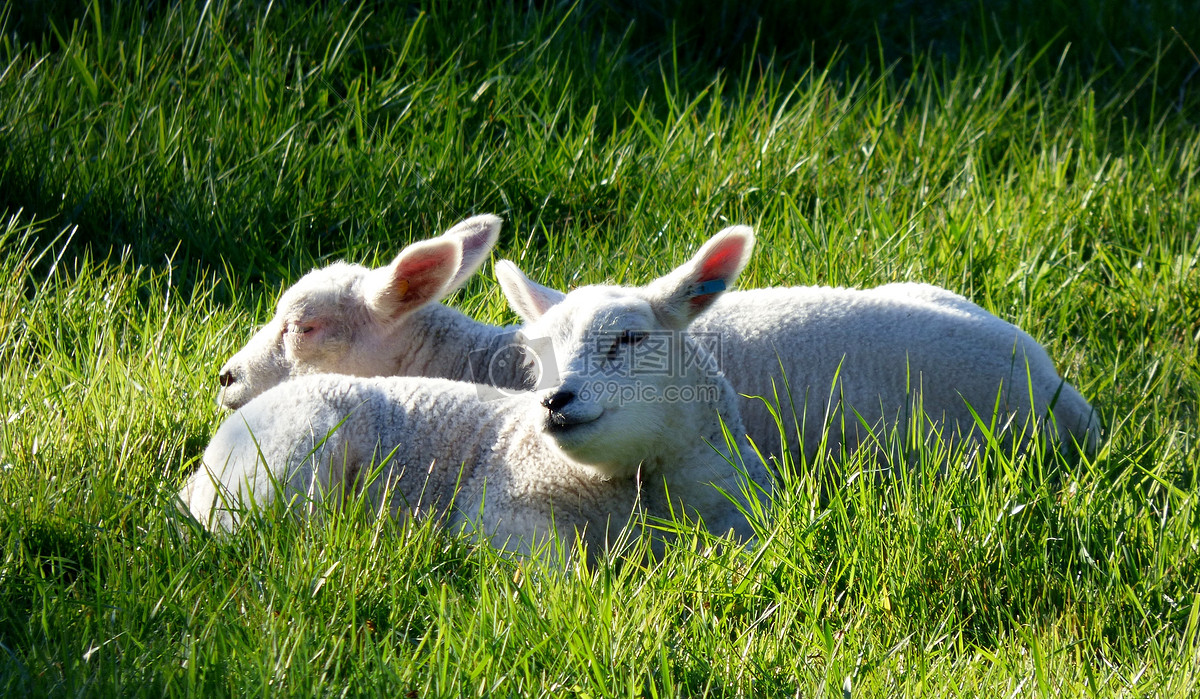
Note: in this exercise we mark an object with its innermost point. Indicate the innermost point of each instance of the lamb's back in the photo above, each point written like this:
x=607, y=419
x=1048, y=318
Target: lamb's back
x=318, y=434
x=438, y=447
x=881, y=344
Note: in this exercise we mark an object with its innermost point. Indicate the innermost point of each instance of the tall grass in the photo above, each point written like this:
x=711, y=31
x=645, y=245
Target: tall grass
x=165, y=170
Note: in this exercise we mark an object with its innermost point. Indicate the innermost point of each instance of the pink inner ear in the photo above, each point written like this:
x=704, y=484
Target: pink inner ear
x=423, y=274
x=417, y=277
x=422, y=263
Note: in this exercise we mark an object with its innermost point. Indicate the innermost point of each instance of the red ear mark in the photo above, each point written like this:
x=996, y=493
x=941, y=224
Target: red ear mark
x=423, y=272
x=724, y=262
x=716, y=271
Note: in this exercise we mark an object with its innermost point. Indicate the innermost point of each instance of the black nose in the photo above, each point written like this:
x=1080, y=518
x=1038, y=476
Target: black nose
x=226, y=378
x=558, y=400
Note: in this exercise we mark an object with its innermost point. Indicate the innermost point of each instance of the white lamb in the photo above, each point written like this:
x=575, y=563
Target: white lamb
x=578, y=458
x=861, y=362
x=347, y=319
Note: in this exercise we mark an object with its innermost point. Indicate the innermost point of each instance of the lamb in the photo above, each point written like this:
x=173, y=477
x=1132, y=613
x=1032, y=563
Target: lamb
x=348, y=319
x=614, y=434
x=860, y=363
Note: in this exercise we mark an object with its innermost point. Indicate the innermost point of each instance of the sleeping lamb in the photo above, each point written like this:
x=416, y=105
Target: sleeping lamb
x=347, y=319
x=616, y=434
x=862, y=363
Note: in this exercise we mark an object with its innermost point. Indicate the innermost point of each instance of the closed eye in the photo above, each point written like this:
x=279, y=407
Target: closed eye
x=632, y=337
x=627, y=338
x=297, y=329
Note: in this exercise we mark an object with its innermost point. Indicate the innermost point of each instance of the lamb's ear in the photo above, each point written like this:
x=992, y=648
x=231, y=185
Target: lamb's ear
x=686, y=292
x=418, y=275
x=528, y=299
x=477, y=235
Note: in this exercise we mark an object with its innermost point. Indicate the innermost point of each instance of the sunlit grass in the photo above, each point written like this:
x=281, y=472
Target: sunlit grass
x=166, y=171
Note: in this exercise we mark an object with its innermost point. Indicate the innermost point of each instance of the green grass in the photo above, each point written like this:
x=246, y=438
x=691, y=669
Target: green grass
x=165, y=171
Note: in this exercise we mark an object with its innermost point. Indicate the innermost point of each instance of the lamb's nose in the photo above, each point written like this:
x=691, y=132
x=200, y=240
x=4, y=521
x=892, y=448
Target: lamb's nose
x=226, y=378
x=558, y=400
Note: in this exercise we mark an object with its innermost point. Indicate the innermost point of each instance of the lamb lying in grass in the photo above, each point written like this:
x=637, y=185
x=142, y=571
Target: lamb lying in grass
x=347, y=319
x=579, y=458
x=861, y=363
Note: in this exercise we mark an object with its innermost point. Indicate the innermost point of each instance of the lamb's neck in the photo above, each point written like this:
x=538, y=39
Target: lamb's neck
x=442, y=342
x=703, y=472
x=726, y=407
x=703, y=457
x=702, y=429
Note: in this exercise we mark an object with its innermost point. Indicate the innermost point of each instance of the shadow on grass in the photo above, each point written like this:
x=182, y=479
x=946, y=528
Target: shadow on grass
x=610, y=54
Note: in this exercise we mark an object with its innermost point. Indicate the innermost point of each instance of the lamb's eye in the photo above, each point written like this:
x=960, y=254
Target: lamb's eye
x=632, y=337
x=627, y=338
x=298, y=329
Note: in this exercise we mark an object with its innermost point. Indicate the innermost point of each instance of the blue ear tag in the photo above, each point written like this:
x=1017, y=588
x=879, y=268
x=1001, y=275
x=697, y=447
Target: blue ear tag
x=712, y=286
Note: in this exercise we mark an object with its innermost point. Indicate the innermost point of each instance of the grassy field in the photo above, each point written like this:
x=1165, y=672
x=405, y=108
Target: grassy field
x=165, y=171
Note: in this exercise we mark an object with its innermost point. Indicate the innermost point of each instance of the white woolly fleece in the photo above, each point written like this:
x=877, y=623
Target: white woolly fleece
x=892, y=349
x=441, y=449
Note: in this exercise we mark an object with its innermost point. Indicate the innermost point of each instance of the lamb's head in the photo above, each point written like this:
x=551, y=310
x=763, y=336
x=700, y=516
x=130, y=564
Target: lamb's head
x=632, y=385
x=341, y=318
